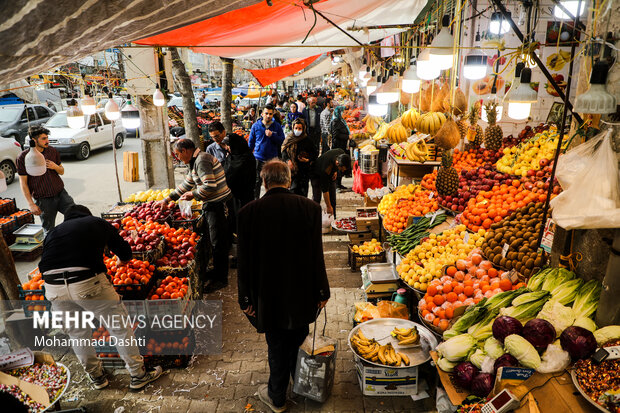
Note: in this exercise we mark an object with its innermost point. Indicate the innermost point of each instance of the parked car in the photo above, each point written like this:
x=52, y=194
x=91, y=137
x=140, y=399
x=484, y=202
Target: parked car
x=178, y=102
x=79, y=142
x=9, y=151
x=15, y=119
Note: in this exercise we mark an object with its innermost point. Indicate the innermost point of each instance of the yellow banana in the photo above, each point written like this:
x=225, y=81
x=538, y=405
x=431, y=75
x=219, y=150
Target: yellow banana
x=361, y=335
x=404, y=358
x=409, y=340
x=381, y=355
x=399, y=359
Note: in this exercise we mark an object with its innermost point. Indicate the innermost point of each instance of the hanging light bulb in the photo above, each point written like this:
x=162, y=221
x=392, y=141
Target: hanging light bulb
x=425, y=69
x=389, y=91
x=571, y=6
x=111, y=110
x=130, y=116
x=88, y=105
x=499, y=108
x=75, y=116
x=442, y=53
x=411, y=82
x=475, y=65
x=499, y=24
x=596, y=100
x=372, y=84
x=516, y=81
x=521, y=99
x=375, y=108
x=34, y=161
x=158, y=97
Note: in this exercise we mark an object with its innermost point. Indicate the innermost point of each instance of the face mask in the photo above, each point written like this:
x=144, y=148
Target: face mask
x=297, y=132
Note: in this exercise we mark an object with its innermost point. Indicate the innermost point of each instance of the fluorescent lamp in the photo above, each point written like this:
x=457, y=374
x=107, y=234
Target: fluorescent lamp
x=375, y=108
x=112, y=111
x=88, y=105
x=130, y=116
x=475, y=66
x=499, y=24
x=389, y=91
x=75, y=116
x=571, y=6
x=158, y=97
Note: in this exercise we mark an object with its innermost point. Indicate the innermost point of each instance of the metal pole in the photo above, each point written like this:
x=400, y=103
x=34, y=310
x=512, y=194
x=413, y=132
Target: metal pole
x=118, y=182
x=561, y=137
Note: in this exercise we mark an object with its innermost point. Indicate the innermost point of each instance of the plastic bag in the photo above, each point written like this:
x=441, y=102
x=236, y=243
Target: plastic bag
x=554, y=359
x=186, y=209
x=589, y=176
x=365, y=311
x=35, y=163
x=392, y=309
x=327, y=222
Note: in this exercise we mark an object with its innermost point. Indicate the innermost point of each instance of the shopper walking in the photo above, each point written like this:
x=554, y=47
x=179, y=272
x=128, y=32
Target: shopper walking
x=324, y=174
x=292, y=115
x=281, y=283
x=312, y=116
x=206, y=181
x=299, y=152
x=301, y=103
x=326, y=117
x=75, y=281
x=46, y=194
x=266, y=138
x=340, y=138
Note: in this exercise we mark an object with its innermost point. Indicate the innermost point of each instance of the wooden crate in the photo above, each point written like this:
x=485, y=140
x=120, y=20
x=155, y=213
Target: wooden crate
x=367, y=223
x=360, y=237
x=131, y=173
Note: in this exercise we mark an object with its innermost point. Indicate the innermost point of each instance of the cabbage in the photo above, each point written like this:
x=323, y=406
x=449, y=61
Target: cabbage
x=504, y=326
x=469, y=318
x=585, y=322
x=457, y=348
x=539, y=332
x=522, y=350
x=506, y=360
x=504, y=299
x=525, y=312
x=579, y=342
x=557, y=314
x=566, y=292
x=535, y=282
x=464, y=373
x=554, y=360
x=449, y=333
x=445, y=365
x=477, y=357
x=607, y=334
x=557, y=277
x=530, y=297
x=482, y=384
x=586, y=301
x=493, y=348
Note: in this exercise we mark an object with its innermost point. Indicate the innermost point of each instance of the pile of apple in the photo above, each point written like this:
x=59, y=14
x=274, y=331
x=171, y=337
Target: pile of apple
x=180, y=248
x=150, y=211
x=471, y=183
x=141, y=241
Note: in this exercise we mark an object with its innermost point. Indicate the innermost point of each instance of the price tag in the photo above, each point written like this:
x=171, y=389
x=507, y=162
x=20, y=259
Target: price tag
x=505, y=250
x=548, y=235
x=433, y=216
x=431, y=195
x=418, y=137
x=466, y=238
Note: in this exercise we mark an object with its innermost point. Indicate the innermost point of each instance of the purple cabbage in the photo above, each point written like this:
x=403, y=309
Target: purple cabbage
x=464, y=373
x=504, y=326
x=578, y=342
x=540, y=333
x=505, y=360
x=482, y=384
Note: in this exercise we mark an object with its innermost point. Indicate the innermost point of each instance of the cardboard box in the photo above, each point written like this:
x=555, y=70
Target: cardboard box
x=131, y=173
x=360, y=237
x=370, y=202
x=361, y=221
x=386, y=381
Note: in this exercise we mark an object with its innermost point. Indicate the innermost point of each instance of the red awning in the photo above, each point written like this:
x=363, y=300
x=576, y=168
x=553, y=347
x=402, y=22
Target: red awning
x=273, y=74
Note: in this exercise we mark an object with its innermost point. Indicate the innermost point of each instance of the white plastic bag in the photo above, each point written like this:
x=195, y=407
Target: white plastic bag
x=186, y=209
x=589, y=176
x=35, y=163
x=326, y=222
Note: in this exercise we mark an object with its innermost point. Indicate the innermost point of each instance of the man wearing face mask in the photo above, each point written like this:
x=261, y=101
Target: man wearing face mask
x=266, y=137
x=299, y=152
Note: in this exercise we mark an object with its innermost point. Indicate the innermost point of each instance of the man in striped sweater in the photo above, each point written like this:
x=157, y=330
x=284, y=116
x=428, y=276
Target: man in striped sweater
x=206, y=181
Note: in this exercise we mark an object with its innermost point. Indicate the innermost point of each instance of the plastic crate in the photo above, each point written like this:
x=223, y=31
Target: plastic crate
x=356, y=261
x=135, y=307
x=112, y=362
x=188, y=271
x=134, y=291
x=26, y=218
x=162, y=307
x=171, y=358
x=111, y=215
x=28, y=256
x=8, y=227
x=7, y=206
x=194, y=224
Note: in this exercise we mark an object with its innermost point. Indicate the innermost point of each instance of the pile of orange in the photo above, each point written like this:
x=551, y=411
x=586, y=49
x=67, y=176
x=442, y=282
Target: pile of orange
x=170, y=288
x=423, y=202
x=4, y=220
x=158, y=348
x=494, y=205
x=134, y=272
x=35, y=283
x=428, y=181
x=20, y=213
x=465, y=283
x=473, y=158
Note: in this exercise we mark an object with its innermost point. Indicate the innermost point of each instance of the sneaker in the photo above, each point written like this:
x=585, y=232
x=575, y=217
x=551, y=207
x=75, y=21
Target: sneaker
x=263, y=395
x=344, y=189
x=98, y=383
x=150, y=376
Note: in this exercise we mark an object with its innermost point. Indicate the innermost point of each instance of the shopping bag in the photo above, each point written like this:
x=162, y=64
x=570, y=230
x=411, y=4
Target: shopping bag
x=186, y=209
x=588, y=175
x=316, y=366
x=326, y=222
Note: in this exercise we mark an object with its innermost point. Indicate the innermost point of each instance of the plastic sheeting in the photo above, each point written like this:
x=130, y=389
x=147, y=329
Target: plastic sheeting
x=260, y=31
x=322, y=68
x=273, y=74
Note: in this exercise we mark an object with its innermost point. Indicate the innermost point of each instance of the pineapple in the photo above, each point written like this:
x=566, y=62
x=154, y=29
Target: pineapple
x=493, y=135
x=447, y=182
x=462, y=127
x=474, y=132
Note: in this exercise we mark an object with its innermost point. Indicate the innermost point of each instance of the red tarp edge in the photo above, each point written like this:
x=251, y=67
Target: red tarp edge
x=268, y=76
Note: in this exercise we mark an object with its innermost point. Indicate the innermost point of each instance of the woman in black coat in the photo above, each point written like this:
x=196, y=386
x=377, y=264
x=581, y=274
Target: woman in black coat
x=241, y=169
x=299, y=152
x=339, y=129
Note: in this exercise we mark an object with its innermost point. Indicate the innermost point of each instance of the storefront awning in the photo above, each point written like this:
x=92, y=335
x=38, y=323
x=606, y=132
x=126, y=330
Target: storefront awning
x=261, y=31
x=273, y=74
x=324, y=67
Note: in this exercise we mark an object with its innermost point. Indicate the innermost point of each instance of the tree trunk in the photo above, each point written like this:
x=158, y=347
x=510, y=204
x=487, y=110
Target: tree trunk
x=184, y=85
x=227, y=85
x=8, y=274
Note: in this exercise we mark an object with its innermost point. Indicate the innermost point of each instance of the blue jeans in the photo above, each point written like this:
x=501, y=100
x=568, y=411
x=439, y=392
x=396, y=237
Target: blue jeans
x=51, y=206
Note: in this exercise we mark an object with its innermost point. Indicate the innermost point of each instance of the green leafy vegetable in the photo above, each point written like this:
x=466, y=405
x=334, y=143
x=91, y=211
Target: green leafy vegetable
x=522, y=350
x=586, y=302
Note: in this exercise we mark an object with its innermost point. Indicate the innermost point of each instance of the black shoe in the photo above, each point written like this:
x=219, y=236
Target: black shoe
x=150, y=376
x=343, y=189
x=213, y=286
x=98, y=383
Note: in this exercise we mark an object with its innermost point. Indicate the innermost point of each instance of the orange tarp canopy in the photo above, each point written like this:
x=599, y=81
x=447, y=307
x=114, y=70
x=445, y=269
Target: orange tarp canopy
x=268, y=76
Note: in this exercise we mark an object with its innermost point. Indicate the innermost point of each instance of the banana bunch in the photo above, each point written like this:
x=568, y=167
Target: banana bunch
x=557, y=61
x=410, y=118
x=397, y=133
x=406, y=336
x=381, y=132
x=417, y=152
x=430, y=122
x=372, y=123
x=370, y=350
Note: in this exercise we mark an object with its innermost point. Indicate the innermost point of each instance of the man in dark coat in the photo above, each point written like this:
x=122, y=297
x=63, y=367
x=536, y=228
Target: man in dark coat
x=312, y=116
x=281, y=275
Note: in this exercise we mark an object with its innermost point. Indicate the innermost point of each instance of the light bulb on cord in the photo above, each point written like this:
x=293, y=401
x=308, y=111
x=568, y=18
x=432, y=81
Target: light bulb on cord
x=371, y=86
x=111, y=110
x=75, y=116
x=88, y=105
x=130, y=116
x=389, y=91
x=475, y=66
x=158, y=97
x=571, y=6
x=498, y=24
x=596, y=100
x=517, y=80
x=521, y=99
x=375, y=108
x=425, y=69
x=411, y=82
x=499, y=109
x=442, y=53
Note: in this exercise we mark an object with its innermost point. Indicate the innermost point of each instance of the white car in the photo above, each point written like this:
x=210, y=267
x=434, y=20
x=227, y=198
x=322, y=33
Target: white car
x=9, y=151
x=79, y=142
